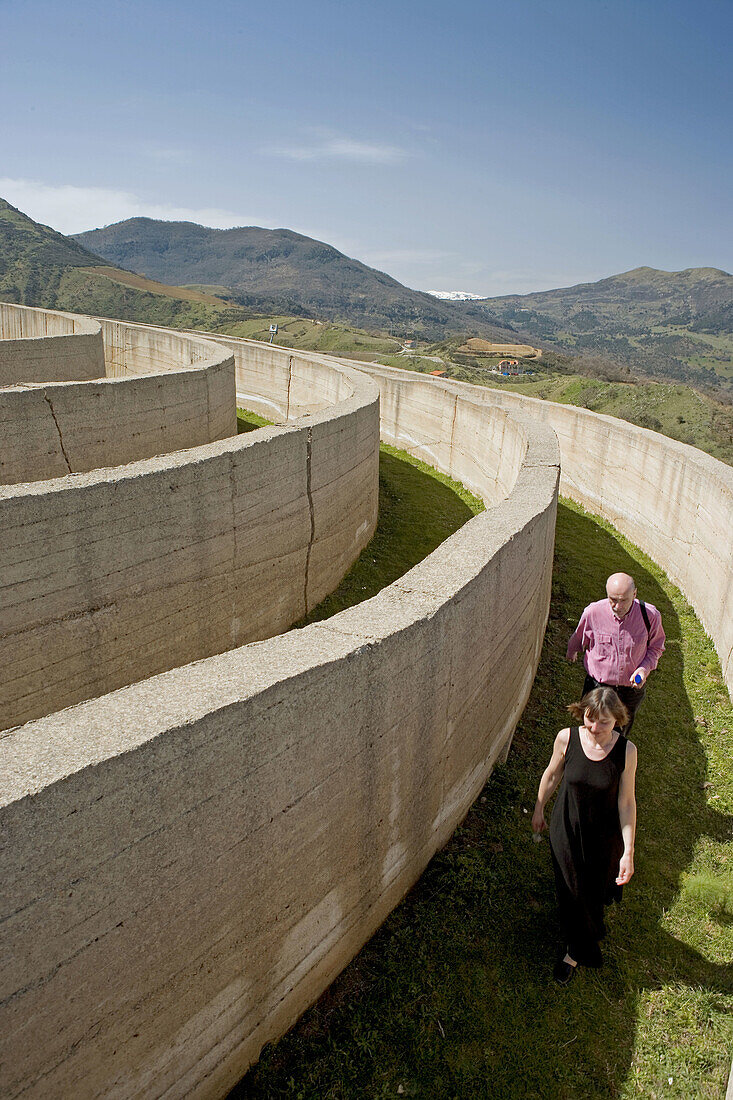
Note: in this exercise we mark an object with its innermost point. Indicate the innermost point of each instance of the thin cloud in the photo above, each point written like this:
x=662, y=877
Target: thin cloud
x=361, y=152
x=71, y=209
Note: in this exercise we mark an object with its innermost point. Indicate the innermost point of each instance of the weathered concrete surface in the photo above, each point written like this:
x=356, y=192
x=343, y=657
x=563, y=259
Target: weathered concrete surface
x=40, y=345
x=51, y=430
x=114, y=574
x=672, y=500
x=169, y=392
x=191, y=860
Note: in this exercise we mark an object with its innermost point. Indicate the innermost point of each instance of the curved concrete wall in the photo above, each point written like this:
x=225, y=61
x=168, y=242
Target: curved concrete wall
x=169, y=392
x=672, y=500
x=39, y=345
x=117, y=573
x=190, y=861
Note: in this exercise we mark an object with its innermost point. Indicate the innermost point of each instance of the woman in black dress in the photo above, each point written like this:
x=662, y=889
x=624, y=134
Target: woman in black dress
x=593, y=823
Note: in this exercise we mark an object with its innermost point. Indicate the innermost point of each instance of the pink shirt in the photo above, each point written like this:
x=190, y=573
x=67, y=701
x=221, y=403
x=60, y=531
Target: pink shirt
x=615, y=648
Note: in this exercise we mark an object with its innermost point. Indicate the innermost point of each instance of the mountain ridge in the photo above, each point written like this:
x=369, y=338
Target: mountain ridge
x=659, y=324
x=41, y=267
x=276, y=269
x=676, y=324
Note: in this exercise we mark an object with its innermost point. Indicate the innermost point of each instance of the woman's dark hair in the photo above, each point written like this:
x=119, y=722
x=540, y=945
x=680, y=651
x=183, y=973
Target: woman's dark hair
x=600, y=701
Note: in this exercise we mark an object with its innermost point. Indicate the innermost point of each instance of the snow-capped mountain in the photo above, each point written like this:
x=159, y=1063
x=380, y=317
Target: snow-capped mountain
x=456, y=295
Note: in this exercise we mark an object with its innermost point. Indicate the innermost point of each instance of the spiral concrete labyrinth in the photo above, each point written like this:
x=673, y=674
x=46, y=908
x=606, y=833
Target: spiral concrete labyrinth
x=205, y=816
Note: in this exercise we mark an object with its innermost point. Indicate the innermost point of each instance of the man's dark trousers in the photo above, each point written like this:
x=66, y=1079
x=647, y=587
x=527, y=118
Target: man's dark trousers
x=631, y=697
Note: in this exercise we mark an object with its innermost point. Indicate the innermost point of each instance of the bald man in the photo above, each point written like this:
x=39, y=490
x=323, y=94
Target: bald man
x=622, y=639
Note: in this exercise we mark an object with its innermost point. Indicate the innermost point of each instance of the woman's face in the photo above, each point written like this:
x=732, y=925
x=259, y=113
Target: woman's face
x=600, y=726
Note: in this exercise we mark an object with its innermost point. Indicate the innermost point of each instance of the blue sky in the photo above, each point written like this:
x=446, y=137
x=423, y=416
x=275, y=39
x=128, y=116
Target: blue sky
x=488, y=147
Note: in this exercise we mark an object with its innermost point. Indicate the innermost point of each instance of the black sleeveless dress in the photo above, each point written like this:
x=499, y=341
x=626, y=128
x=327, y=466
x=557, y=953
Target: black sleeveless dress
x=586, y=844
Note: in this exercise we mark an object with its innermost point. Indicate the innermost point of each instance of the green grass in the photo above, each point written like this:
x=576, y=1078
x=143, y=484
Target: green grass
x=452, y=998
x=306, y=335
x=716, y=349
x=248, y=421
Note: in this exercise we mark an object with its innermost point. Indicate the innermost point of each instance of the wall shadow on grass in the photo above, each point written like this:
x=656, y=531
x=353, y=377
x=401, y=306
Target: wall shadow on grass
x=453, y=997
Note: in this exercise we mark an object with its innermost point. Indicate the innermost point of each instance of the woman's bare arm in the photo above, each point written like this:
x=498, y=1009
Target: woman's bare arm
x=627, y=814
x=550, y=778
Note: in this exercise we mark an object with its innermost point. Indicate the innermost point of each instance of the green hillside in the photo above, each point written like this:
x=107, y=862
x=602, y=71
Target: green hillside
x=323, y=336
x=40, y=267
x=670, y=324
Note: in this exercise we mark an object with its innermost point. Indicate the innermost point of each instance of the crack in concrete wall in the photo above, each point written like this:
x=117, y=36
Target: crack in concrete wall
x=58, y=429
x=453, y=431
x=235, y=623
x=309, y=493
x=290, y=376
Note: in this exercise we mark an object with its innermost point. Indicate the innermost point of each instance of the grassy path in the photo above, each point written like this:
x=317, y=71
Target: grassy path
x=453, y=998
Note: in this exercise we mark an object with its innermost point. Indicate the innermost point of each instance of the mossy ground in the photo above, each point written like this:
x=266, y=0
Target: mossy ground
x=248, y=421
x=452, y=998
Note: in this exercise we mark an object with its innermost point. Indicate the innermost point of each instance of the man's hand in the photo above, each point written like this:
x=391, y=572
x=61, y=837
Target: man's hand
x=538, y=820
x=574, y=657
x=639, y=672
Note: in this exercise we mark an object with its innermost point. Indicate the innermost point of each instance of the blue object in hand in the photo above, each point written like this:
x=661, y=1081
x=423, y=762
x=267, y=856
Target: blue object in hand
x=637, y=678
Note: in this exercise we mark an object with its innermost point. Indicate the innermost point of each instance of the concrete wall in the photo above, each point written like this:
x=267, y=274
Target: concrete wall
x=672, y=500
x=168, y=392
x=39, y=345
x=52, y=430
x=190, y=861
x=281, y=384
x=117, y=573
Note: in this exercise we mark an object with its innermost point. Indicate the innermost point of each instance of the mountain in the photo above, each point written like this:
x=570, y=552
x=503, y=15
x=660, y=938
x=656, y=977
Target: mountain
x=659, y=324
x=277, y=270
x=40, y=267
x=29, y=252
x=674, y=324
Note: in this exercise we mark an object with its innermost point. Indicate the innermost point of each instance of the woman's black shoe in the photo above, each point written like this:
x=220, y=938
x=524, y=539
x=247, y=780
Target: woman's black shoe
x=563, y=972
